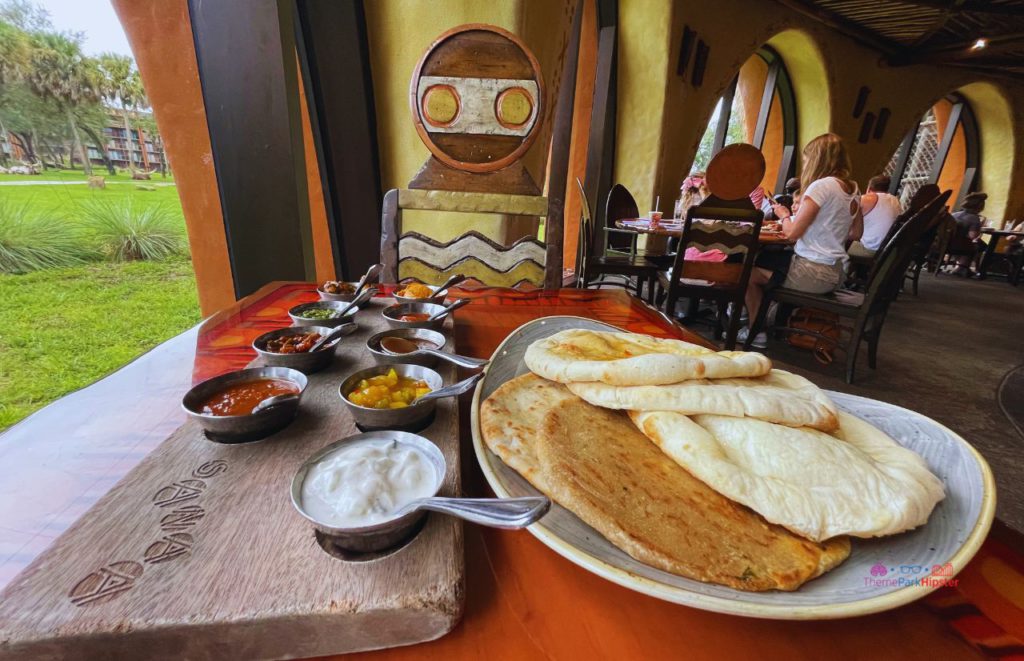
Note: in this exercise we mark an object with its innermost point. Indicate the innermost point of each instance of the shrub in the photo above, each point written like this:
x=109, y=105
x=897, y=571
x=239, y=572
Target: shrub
x=31, y=240
x=127, y=232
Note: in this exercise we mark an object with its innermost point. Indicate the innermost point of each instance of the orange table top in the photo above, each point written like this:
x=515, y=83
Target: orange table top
x=522, y=599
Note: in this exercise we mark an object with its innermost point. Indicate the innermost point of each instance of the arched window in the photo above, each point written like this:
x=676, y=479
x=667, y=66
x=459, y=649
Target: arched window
x=942, y=149
x=757, y=108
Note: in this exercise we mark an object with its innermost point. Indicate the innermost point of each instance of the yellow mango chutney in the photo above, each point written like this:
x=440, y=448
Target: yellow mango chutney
x=387, y=391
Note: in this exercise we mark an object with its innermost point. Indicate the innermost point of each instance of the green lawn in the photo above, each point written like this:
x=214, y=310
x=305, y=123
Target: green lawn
x=77, y=175
x=64, y=199
x=62, y=329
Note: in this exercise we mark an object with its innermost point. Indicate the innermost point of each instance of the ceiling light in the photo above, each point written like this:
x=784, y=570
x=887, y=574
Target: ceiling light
x=979, y=44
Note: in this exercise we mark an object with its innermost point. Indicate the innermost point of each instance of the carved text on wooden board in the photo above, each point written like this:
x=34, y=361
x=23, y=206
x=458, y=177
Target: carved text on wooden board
x=179, y=497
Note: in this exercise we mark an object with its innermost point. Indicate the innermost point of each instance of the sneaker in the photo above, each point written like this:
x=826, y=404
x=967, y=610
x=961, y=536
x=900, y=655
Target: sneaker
x=760, y=340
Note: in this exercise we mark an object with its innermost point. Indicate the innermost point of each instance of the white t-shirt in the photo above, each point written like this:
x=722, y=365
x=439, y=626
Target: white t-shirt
x=824, y=241
x=878, y=221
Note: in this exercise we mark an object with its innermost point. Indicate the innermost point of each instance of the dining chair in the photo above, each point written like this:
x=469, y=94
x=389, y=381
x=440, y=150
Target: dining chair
x=732, y=227
x=866, y=311
x=634, y=271
x=620, y=205
x=411, y=256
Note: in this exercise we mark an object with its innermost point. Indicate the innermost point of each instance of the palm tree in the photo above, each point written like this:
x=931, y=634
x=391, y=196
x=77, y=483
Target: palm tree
x=121, y=83
x=61, y=73
x=14, y=53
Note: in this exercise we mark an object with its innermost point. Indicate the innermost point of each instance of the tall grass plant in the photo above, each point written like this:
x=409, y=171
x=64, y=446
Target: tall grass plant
x=128, y=231
x=32, y=239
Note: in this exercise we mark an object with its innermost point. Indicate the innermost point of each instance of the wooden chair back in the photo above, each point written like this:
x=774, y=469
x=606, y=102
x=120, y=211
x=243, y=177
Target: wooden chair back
x=929, y=236
x=620, y=205
x=411, y=256
x=586, y=237
x=894, y=257
x=732, y=227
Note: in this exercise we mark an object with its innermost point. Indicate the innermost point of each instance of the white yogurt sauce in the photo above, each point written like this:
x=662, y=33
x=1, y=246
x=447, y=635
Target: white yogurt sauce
x=363, y=483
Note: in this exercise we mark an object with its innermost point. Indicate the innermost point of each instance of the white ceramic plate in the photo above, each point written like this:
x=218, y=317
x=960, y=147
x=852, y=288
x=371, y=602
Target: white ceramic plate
x=953, y=534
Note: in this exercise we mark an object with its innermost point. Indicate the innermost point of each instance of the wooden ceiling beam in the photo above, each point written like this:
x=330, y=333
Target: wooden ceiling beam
x=972, y=6
x=948, y=10
x=960, y=52
x=842, y=25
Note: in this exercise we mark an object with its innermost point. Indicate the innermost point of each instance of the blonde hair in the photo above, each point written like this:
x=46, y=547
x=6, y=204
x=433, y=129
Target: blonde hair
x=825, y=156
x=693, y=191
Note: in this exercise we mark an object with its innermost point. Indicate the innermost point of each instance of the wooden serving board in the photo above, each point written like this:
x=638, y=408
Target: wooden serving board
x=198, y=553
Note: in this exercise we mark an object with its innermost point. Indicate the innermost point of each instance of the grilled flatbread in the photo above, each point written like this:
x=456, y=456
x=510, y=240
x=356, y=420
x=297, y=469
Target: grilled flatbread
x=595, y=463
x=630, y=359
x=510, y=418
x=859, y=482
x=779, y=397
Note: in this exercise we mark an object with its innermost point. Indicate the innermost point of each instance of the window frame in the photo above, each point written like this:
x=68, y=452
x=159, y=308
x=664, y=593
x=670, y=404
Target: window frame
x=777, y=80
x=960, y=114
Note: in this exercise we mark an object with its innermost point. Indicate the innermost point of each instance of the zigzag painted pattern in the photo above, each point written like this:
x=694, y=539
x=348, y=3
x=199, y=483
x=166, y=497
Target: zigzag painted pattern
x=525, y=271
x=444, y=255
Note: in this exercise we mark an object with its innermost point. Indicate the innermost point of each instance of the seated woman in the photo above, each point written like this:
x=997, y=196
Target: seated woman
x=828, y=217
x=966, y=242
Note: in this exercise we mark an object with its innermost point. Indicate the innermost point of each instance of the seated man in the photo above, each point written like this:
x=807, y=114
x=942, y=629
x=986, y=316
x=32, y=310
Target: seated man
x=880, y=211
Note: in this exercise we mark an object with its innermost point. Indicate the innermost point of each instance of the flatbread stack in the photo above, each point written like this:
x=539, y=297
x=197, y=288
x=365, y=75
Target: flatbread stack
x=710, y=465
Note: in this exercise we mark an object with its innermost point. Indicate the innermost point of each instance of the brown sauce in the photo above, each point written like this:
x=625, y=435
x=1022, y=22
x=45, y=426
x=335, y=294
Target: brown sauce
x=240, y=398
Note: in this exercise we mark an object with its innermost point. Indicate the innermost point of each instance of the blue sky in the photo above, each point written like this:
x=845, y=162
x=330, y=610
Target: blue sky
x=95, y=18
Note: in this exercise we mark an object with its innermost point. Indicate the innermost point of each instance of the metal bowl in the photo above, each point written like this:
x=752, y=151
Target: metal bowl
x=330, y=323
x=433, y=298
x=381, y=535
x=384, y=358
x=406, y=417
x=325, y=296
x=392, y=313
x=252, y=426
x=309, y=362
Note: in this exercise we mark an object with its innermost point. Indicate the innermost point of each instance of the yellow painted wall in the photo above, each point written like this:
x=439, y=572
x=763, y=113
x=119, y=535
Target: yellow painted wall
x=1002, y=148
x=400, y=31
x=658, y=132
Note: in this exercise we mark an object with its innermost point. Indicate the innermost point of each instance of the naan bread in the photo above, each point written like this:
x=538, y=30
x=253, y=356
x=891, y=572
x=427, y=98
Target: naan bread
x=859, y=482
x=511, y=416
x=595, y=463
x=630, y=359
x=779, y=397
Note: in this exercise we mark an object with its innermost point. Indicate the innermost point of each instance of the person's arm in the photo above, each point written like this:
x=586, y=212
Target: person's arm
x=795, y=226
x=857, y=227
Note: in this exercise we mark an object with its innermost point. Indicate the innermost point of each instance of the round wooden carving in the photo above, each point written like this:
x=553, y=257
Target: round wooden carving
x=477, y=98
x=735, y=172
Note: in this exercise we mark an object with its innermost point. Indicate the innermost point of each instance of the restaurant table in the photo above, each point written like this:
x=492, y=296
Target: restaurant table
x=675, y=230
x=522, y=599
x=990, y=250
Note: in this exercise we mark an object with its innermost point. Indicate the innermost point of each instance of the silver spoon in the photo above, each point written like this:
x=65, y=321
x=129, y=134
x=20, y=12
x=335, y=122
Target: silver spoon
x=448, y=284
x=416, y=352
x=493, y=512
x=450, y=391
x=340, y=331
x=451, y=308
x=363, y=297
x=273, y=401
x=370, y=274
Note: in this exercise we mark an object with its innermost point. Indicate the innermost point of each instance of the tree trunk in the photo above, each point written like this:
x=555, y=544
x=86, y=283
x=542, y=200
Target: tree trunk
x=27, y=147
x=4, y=160
x=83, y=152
x=128, y=139
x=102, y=147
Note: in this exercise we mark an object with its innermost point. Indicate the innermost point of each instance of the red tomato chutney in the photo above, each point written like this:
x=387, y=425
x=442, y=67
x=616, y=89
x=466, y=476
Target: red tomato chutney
x=414, y=317
x=240, y=398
